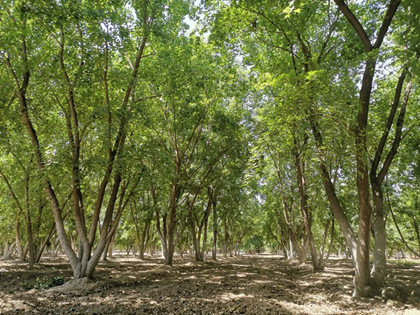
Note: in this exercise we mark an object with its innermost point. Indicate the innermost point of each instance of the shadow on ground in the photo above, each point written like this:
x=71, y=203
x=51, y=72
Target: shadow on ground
x=244, y=285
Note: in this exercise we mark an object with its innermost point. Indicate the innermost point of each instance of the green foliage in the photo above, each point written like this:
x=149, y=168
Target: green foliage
x=225, y=105
x=255, y=244
x=42, y=283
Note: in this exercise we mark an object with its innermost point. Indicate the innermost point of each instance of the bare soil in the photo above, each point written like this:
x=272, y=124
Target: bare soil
x=240, y=285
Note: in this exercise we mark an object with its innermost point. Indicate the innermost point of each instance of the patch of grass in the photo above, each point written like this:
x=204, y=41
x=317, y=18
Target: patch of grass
x=42, y=283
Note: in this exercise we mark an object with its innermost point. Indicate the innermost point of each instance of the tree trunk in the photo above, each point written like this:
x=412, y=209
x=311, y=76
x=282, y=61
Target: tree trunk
x=170, y=249
x=307, y=217
x=293, y=240
x=144, y=239
x=331, y=240
x=214, y=244
x=196, y=241
x=324, y=239
x=170, y=246
x=362, y=278
x=225, y=240
x=200, y=232
x=295, y=249
x=44, y=243
x=417, y=254
x=30, y=236
x=416, y=226
x=170, y=237
x=334, y=202
x=6, y=251
x=83, y=265
x=19, y=247
x=379, y=256
x=378, y=271
x=204, y=245
x=162, y=233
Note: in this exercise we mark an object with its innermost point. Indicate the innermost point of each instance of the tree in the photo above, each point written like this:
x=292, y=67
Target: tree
x=77, y=97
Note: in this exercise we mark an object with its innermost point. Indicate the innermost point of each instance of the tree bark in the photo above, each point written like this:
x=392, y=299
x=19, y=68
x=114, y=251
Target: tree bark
x=376, y=178
x=200, y=233
x=324, y=239
x=226, y=239
x=214, y=244
x=331, y=240
x=335, y=205
x=30, y=235
x=307, y=217
x=18, y=241
x=170, y=246
x=416, y=226
x=144, y=239
x=362, y=281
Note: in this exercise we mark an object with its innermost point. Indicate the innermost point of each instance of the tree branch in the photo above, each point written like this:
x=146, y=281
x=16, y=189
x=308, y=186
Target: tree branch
x=355, y=23
x=391, y=115
x=390, y=12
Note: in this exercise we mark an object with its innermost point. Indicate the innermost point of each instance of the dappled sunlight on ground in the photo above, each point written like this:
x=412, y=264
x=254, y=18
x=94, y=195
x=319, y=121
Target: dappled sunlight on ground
x=240, y=285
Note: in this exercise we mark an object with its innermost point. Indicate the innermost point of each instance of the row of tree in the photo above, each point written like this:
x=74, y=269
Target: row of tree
x=247, y=124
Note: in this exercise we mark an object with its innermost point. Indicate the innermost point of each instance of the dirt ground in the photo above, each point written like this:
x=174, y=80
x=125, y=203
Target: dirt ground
x=241, y=285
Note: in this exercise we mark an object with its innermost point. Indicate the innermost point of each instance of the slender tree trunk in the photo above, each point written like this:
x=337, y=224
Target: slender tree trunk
x=204, y=244
x=330, y=247
x=109, y=247
x=307, y=217
x=416, y=226
x=362, y=277
x=334, y=202
x=294, y=247
x=44, y=243
x=214, y=244
x=6, y=251
x=19, y=247
x=283, y=237
x=324, y=239
x=196, y=241
x=376, y=178
x=378, y=271
x=136, y=225
x=411, y=250
x=112, y=228
x=294, y=244
x=201, y=233
x=416, y=229
x=171, y=226
x=226, y=240
x=211, y=193
x=162, y=234
x=30, y=236
x=105, y=234
x=143, y=241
